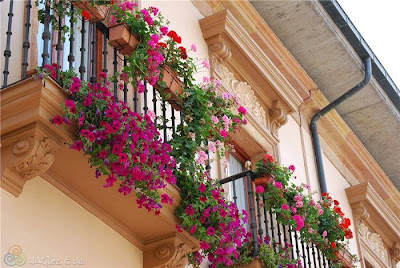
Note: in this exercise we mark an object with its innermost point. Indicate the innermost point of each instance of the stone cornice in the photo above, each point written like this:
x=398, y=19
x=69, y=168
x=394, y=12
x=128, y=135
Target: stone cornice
x=371, y=212
x=230, y=42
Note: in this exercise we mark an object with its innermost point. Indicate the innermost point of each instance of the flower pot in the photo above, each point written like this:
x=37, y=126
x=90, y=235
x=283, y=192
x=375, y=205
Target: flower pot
x=122, y=39
x=263, y=181
x=174, y=87
x=341, y=259
x=96, y=12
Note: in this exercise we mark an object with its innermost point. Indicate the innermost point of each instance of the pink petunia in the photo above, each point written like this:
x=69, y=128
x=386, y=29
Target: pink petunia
x=259, y=189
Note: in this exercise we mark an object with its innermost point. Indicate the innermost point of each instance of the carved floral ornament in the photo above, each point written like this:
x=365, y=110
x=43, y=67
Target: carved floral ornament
x=374, y=242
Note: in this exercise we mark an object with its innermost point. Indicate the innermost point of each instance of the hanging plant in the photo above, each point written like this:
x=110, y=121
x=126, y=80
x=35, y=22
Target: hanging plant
x=93, y=10
x=122, y=145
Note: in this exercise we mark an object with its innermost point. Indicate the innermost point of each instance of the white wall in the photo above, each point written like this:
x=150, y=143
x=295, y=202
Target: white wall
x=46, y=223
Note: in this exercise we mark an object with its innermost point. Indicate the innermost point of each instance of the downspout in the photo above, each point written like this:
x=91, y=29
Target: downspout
x=323, y=112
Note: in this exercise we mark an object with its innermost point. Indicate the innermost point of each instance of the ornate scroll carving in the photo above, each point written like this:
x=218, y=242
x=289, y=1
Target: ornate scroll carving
x=25, y=159
x=374, y=242
x=241, y=89
x=360, y=211
x=220, y=50
x=278, y=118
x=168, y=252
x=395, y=252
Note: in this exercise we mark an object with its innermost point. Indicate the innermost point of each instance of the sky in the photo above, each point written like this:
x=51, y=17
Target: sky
x=378, y=21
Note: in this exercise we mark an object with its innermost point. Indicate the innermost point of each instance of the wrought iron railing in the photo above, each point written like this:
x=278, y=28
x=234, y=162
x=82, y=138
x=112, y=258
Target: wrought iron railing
x=263, y=223
x=81, y=51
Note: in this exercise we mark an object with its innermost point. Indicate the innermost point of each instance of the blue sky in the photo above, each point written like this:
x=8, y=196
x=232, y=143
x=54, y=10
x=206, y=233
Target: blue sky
x=378, y=21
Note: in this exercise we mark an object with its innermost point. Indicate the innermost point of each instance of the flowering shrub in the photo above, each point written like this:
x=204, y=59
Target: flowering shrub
x=123, y=145
x=216, y=222
x=320, y=222
x=158, y=46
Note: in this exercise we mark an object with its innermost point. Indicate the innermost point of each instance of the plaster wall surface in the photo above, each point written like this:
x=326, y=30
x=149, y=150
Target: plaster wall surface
x=49, y=226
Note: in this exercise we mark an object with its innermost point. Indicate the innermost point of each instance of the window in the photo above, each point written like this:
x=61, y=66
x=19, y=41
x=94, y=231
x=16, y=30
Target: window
x=237, y=189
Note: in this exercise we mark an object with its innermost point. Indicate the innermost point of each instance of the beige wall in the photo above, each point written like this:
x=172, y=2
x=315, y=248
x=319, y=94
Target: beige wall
x=45, y=222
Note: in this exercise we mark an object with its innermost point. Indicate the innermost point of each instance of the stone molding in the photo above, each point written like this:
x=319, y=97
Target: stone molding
x=378, y=227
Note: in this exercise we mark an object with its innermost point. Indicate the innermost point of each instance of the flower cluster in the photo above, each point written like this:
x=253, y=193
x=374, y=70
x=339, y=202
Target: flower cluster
x=216, y=222
x=122, y=145
x=320, y=222
x=158, y=46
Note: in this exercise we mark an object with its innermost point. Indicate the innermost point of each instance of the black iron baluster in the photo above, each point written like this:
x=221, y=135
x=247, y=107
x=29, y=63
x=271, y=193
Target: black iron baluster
x=313, y=254
x=105, y=53
x=265, y=219
x=26, y=45
x=82, y=68
x=173, y=120
x=324, y=261
x=278, y=229
x=272, y=227
x=297, y=244
x=59, y=47
x=303, y=251
x=181, y=117
x=260, y=230
x=155, y=105
x=71, y=56
x=253, y=225
x=234, y=192
x=164, y=118
x=145, y=107
x=291, y=241
x=125, y=85
x=93, y=78
x=7, y=51
x=115, y=63
x=308, y=254
x=284, y=234
x=135, y=101
x=319, y=258
x=46, y=34
x=329, y=263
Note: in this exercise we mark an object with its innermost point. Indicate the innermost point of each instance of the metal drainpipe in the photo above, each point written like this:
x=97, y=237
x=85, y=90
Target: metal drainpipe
x=327, y=109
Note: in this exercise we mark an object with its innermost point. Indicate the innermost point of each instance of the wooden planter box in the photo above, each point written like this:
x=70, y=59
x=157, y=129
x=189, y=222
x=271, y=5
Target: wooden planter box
x=174, y=88
x=122, y=39
x=263, y=181
x=96, y=12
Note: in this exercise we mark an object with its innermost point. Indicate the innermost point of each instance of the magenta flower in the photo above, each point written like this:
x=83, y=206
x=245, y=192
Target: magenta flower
x=242, y=110
x=178, y=228
x=204, y=245
x=292, y=168
x=194, y=47
x=278, y=184
x=210, y=231
x=285, y=206
x=259, y=189
x=202, y=188
x=193, y=229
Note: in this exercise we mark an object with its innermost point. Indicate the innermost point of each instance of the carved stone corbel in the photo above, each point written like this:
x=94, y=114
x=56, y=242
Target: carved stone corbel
x=278, y=118
x=360, y=211
x=25, y=156
x=395, y=252
x=219, y=49
x=168, y=252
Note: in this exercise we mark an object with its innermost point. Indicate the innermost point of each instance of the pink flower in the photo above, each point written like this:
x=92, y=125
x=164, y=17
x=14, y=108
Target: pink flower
x=164, y=198
x=206, y=79
x=194, y=47
x=242, y=110
x=164, y=30
x=285, y=206
x=310, y=230
x=294, y=210
x=151, y=115
x=292, y=168
x=210, y=231
x=226, y=96
x=278, y=184
x=299, y=204
x=223, y=213
x=320, y=212
x=202, y=188
x=202, y=157
x=193, y=229
x=215, y=119
x=58, y=120
x=178, y=228
x=206, y=64
x=259, y=189
x=211, y=147
x=224, y=133
x=204, y=245
x=324, y=234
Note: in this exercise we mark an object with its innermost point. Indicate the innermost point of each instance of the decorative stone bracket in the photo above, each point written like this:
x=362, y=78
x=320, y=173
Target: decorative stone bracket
x=377, y=227
x=25, y=157
x=28, y=139
x=169, y=252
